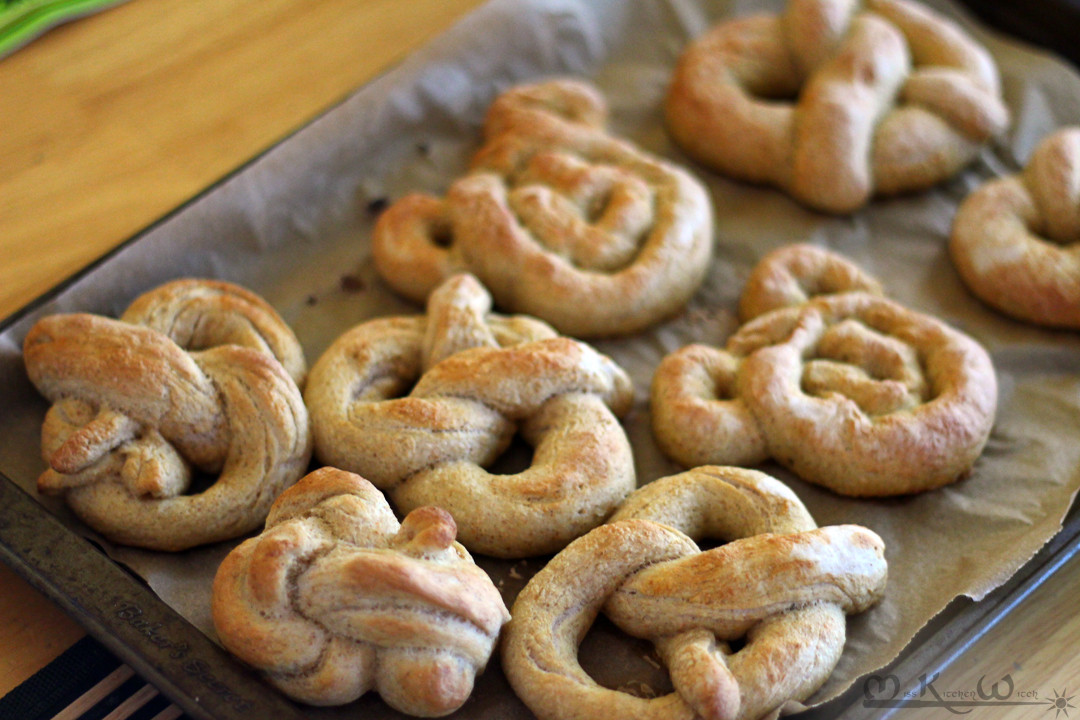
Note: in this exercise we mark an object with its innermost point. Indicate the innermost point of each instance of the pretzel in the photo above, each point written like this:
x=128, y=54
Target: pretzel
x=850, y=391
x=834, y=101
x=199, y=314
x=1016, y=240
x=189, y=380
x=335, y=598
x=558, y=219
x=422, y=405
x=792, y=274
x=779, y=582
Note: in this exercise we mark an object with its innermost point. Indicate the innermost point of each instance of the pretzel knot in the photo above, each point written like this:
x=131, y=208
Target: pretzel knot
x=334, y=598
x=187, y=380
x=1016, y=240
x=558, y=219
x=421, y=406
x=780, y=583
x=836, y=100
x=850, y=391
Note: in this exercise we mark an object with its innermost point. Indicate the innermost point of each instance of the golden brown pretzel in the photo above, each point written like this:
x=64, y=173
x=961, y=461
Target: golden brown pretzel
x=421, y=406
x=886, y=97
x=1016, y=240
x=558, y=219
x=781, y=583
x=135, y=414
x=851, y=391
x=335, y=598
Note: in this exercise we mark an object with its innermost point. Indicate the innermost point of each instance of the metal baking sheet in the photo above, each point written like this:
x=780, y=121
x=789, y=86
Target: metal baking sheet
x=269, y=212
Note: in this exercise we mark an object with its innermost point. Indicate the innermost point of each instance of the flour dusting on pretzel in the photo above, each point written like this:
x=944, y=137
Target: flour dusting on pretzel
x=1016, y=240
x=558, y=219
x=335, y=598
x=190, y=379
x=422, y=407
x=835, y=101
x=780, y=583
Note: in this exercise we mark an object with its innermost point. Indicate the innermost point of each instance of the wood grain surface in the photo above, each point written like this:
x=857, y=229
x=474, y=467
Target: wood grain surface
x=111, y=121
x=114, y=120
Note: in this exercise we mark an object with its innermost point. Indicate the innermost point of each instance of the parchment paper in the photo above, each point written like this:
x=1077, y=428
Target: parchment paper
x=294, y=225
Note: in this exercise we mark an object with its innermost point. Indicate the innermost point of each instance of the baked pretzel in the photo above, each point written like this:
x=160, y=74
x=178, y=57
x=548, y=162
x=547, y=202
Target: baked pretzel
x=834, y=101
x=1016, y=240
x=850, y=391
x=189, y=379
x=335, y=598
x=422, y=405
x=200, y=314
x=792, y=274
x=779, y=582
x=558, y=219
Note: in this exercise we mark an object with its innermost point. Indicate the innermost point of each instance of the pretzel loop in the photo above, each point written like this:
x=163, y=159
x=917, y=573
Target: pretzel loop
x=696, y=407
x=427, y=434
x=792, y=274
x=203, y=314
x=135, y=414
x=786, y=591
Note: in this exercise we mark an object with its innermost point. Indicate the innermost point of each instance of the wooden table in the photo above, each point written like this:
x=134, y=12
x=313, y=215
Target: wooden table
x=112, y=121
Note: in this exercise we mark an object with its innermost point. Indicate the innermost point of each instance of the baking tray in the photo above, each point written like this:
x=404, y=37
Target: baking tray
x=119, y=608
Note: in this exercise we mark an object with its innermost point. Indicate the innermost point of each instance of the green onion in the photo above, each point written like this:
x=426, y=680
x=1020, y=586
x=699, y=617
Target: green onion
x=23, y=20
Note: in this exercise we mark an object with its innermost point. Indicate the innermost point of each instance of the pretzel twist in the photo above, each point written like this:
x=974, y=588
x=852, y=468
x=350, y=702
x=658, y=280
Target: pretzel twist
x=199, y=314
x=135, y=414
x=885, y=97
x=558, y=219
x=421, y=406
x=1016, y=240
x=779, y=582
x=851, y=391
x=335, y=598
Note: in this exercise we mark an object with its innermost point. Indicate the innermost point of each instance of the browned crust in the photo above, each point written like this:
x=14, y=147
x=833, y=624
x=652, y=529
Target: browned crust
x=558, y=219
x=834, y=106
x=779, y=582
x=1016, y=241
x=423, y=406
